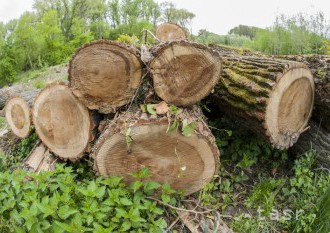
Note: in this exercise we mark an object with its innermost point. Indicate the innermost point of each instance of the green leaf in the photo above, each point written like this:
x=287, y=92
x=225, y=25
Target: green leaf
x=136, y=185
x=173, y=126
x=64, y=226
x=125, y=226
x=65, y=212
x=151, y=110
x=166, y=198
x=45, y=209
x=125, y=201
x=175, y=110
x=151, y=186
x=188, y=129
x=89, y=219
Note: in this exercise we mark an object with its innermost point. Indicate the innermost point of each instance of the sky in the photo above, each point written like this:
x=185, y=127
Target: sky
x=217, y=16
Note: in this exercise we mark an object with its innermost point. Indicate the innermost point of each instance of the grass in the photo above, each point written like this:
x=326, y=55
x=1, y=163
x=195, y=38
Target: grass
x=42, y=77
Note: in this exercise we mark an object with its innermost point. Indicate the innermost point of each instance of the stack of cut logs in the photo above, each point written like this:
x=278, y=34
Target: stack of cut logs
x=129, y=108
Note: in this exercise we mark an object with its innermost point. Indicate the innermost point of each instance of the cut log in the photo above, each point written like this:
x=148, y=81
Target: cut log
x=135, y=140
x=184, y=73
x=167, y=32
x=62, y=123
x=272, y=97
x=18, y=116
x=316, y=138
x=320, y=67
x=40, y=159
x=105, y=75
x=7, y=93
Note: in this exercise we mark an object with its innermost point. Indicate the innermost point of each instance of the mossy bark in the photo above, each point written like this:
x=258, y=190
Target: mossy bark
x=245, y=89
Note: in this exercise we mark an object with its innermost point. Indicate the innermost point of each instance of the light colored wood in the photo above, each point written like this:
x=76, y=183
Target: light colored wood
x=167, y=32
x=183, y=73
x=320, y=67
x=186, y=163
x=17, y=112
x=105, y=75
x=272, y=97
x=40, y=159
x=62, y=122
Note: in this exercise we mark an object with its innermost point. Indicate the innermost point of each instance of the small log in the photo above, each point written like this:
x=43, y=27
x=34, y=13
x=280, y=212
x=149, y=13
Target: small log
x=316, y=138
x=274, y=98
x=7, y=93
x=62, y=123
x=167, y=32
x=135, y=140
x=18, y=116
x=105, y=75
x=183, y=73
x=40, y=159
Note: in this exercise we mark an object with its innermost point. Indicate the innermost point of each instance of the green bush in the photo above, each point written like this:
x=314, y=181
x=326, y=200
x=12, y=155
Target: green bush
x=57, y=202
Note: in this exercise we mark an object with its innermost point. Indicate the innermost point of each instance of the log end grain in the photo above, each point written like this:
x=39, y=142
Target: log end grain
x=62, y=122
x=17, y=112
x=290, y=105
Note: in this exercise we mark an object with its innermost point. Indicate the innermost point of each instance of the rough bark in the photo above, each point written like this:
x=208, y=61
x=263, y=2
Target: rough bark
x=317, y=138
x=105, y=75
x=183, y=73
x=272, y=97
x=320, y=67
x=7, y=93
x=62, y=123
x=136, y=140
x=18, y=116
x=167, y=32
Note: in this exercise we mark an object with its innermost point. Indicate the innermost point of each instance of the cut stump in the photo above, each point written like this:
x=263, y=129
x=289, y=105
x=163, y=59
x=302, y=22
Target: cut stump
x=183, y=73
x=105, y=75
x=272, y=97
x=167, y=32
x=62, y=123
x=135, y=141
x=17, y=112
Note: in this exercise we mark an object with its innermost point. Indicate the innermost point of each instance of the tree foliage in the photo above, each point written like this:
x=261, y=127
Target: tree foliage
x=298, y=34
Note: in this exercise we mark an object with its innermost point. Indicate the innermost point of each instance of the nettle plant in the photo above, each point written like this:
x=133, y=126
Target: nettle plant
x=57, y=202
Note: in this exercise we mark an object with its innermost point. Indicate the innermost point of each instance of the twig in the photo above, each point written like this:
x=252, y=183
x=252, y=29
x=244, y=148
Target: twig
x=185, y=210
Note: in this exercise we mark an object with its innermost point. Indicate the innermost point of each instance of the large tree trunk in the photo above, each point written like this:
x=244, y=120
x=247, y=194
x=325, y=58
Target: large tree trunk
x=136, y=140
x=183, y=73
x=272, y=97
x=167, y=32
x=7, y=93
x=18, y=116
x=320, y=67
x=105, y=75
x=62, y=122
x=317, y=138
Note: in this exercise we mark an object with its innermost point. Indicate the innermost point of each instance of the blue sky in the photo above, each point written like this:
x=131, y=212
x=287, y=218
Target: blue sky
x=214, y=15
